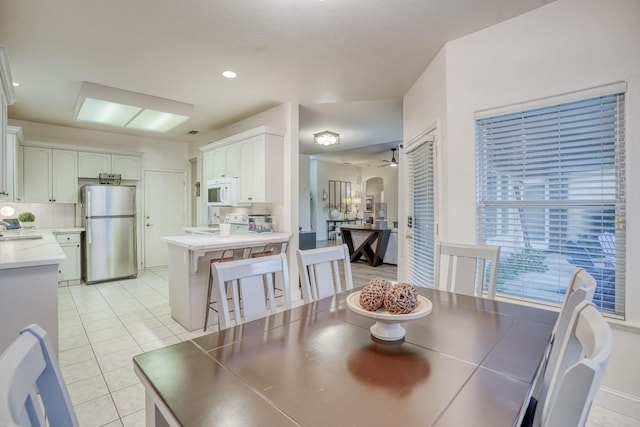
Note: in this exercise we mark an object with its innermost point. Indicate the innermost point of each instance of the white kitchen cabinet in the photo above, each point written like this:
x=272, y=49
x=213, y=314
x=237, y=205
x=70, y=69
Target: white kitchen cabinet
x=50, y=175
x=10, y=168
x=208, y=165
x=261, y=169
x=7, y=151
x=92, y=164
x=221, y=162
x=69, y=269
x=127, y=166
x=19, y=176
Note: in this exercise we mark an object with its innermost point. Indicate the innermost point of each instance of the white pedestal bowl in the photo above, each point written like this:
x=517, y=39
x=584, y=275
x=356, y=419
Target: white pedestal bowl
x=388, y=326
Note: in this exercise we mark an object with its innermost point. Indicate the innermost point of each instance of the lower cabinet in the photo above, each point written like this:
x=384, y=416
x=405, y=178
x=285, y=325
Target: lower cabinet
x=69, y=270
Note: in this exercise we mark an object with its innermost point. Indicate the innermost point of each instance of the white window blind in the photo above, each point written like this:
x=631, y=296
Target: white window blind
x=421, y=221
x=551, y=193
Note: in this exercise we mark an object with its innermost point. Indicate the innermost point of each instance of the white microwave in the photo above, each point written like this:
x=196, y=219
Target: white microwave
x=222, y=192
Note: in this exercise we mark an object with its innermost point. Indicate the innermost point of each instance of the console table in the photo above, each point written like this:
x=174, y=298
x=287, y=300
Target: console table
x=332, y=224
x=379, y=236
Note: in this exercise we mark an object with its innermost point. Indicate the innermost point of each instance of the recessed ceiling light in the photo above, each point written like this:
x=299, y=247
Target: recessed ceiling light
x=229, y=74
x=16, y=84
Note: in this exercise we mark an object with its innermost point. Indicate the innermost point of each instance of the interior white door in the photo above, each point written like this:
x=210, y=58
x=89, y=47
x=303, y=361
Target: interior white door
x=420, y=223
x=164, y=213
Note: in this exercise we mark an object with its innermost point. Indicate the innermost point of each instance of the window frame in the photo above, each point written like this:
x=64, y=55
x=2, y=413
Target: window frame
x=547, y=186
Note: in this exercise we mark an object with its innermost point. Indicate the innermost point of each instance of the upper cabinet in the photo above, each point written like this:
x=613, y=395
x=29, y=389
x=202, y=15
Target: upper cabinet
x=127, y=166
x=50, y=175
x=262, y=169
x=221, y=162
x=92, y=164
x=7, y=151
x=10, y=167
x=255, y=157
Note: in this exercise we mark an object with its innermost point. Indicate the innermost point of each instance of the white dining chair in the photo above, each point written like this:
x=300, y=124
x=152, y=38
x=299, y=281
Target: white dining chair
x=466, y=271
x=580, y=279
x=252, y=284
x=584, y=353
x=27, y=363
x=581, y=289
x=320, y=271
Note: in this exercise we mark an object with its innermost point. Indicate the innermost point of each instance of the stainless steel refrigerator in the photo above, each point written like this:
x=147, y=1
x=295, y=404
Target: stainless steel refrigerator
x=109, y=242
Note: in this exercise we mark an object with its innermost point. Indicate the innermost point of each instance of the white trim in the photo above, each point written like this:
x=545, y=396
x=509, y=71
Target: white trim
x=617, y=401
x=428, y=135
x=609, y=89
x=76, y=147
x=5, y=76
x=260, y=130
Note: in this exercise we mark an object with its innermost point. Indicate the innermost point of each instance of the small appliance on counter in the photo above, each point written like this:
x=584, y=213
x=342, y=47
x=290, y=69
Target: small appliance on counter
x=260, y=223
x=110, y=178
x=239, y=222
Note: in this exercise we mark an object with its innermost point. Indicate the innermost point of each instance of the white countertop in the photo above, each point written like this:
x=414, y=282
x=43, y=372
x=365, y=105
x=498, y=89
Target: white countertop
x=30, y=253
x=205, y=243
x=201, y=230
x=60, y=230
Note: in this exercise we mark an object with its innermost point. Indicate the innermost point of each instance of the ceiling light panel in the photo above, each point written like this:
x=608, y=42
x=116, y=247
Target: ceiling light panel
x=106, y=112
x=117, y=107
x=156, y=121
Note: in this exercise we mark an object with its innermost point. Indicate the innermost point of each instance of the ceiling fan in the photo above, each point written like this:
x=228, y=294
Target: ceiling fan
x=393, y=162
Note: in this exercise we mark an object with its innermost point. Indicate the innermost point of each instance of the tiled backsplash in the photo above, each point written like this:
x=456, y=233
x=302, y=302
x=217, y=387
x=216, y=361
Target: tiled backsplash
x=49, y=215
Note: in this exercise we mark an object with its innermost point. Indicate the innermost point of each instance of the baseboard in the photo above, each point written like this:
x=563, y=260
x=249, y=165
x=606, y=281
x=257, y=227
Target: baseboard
x=617, y=401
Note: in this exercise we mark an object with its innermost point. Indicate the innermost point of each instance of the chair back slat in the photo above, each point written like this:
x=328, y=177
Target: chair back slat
x=252, y=285
x=319, y=271
x=466, y=268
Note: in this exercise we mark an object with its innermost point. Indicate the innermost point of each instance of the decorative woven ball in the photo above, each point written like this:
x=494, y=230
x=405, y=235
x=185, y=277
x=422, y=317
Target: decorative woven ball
x=401, y=299
x=372, y=295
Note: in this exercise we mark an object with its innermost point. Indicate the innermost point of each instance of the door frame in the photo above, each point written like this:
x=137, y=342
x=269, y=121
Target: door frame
x=143, y=189
x=431, y=133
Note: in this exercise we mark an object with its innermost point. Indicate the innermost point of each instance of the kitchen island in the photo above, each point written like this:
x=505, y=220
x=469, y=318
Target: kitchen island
x=189, y=262
x=29, y=283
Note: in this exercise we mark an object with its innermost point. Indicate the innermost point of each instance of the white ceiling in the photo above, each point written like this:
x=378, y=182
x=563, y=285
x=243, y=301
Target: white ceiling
x=347, y=62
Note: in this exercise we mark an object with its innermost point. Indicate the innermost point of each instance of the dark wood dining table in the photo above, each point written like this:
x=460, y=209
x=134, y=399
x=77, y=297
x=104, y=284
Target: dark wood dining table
x=471, y=361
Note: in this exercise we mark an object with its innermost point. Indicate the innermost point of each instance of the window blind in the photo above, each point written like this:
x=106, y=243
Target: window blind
x=421, y=221
x=551, y=193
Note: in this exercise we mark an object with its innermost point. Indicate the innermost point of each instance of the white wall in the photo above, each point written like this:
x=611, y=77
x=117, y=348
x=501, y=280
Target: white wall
x=565, y=46
x=329, y=171
x=305, y=192
x=390, y=177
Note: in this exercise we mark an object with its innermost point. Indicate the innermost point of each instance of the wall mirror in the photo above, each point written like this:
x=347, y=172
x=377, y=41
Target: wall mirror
x=340, y=196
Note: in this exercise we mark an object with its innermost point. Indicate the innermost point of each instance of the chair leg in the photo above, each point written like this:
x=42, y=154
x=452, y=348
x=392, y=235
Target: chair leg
x=208, y=309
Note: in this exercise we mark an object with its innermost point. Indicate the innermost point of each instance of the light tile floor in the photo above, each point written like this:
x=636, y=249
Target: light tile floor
x=103, y=326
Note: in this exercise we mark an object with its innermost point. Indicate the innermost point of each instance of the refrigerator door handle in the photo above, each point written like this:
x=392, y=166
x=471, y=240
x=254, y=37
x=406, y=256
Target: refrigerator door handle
x=88, y=233
x=88, y=210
